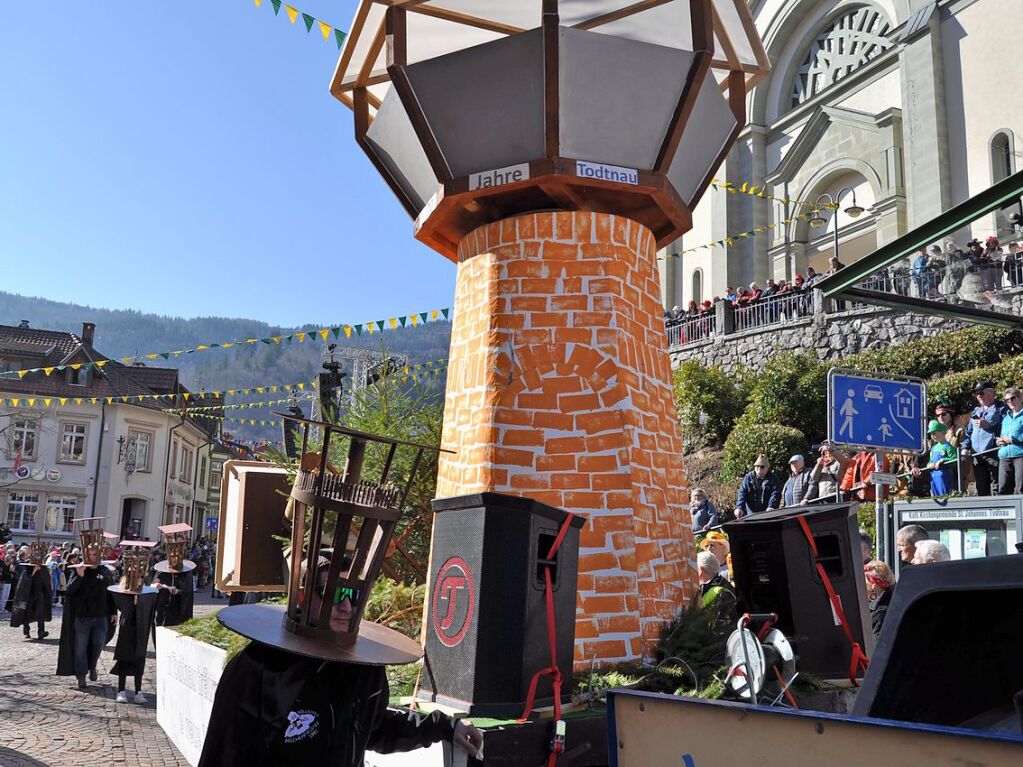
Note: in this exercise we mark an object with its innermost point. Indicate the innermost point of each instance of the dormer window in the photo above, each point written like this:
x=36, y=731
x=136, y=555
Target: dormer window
x=78, y=376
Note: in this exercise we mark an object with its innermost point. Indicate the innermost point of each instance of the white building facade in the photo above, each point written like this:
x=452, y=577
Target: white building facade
x=910, y=104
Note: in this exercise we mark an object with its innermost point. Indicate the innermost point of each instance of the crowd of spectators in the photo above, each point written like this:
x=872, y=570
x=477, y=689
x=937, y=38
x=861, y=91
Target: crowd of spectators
x=974, y=273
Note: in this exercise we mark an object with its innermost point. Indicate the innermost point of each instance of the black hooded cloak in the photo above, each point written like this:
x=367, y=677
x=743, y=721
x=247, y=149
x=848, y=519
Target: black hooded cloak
x=174, y=609
x=33, y=596
x=268, y=699
x=134, y=622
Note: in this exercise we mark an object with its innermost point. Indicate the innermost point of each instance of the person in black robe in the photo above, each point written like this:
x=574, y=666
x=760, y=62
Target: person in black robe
x=281, y=703
x=89, y=618
x=136, y=613
x=33, y=599
x=175, y=598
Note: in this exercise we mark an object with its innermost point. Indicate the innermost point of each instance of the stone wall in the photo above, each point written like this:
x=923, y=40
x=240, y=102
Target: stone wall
x=831, y=335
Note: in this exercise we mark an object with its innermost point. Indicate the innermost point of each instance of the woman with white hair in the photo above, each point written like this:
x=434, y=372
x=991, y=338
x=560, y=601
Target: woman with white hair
x=930, y=551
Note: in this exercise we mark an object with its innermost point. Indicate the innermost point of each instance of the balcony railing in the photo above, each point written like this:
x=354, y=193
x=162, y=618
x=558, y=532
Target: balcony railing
x=689, y=330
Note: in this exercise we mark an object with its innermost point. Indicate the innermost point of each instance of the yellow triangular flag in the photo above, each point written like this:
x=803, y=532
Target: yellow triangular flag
x=31, y=401
x=110, y=400
x=325, y=29
x=433, y=314
x=47, y=401
x=126, y=360
x=261, y=389
x=301, y=387
x=186, y=395
x=47, y=370
x=300, y=337
x=101, y=363
x=258, y=2
x=394, y=322
x=21, y=373
x=78, y=400
x=292, y=13
x=226, y=346
x=15, y=401
x=348, y=331
x=76, y=366
x=324, y=333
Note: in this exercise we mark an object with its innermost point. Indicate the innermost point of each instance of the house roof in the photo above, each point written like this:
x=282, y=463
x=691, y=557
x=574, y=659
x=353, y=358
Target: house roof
x=55, y=344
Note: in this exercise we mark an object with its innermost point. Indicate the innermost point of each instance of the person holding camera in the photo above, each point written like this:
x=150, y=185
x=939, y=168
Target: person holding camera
x=983, y=429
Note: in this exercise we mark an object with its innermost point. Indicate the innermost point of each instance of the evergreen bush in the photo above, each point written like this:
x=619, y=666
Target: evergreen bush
x=748, y=440
x=789, y=390
x=709, y=391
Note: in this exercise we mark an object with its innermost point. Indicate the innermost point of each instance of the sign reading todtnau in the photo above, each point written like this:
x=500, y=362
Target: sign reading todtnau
x=499, y=176
x=603, y=172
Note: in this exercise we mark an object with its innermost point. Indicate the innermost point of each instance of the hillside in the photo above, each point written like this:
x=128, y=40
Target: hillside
x=121, y=333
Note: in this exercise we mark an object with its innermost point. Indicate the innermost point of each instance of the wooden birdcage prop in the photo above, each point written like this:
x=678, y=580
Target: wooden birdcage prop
x=342, y=522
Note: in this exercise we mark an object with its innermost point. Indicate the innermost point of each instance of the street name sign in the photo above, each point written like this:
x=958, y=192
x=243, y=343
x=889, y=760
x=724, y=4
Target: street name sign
x=871, y=411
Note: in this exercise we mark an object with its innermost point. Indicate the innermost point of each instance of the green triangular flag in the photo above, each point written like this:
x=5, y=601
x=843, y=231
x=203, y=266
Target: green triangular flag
x=402, y=320
x=267, y=341
x=309, y=21
x=445, y=312
x=358, y=330
x=336, y=331
x=290, y=338
x=380, y=324
x=340, y=37
x=165, y=355
x=277, y=6
x=422, y=316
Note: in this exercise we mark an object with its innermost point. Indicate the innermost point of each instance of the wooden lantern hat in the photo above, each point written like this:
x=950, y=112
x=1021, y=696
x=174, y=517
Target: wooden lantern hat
x=135, y=568
x=90, y=531
x=175, y=538
x=475, y=112
x=36, y=553
x=342, y=525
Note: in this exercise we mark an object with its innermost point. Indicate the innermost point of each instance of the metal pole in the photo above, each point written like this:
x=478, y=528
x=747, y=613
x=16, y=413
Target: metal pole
x=878, y=505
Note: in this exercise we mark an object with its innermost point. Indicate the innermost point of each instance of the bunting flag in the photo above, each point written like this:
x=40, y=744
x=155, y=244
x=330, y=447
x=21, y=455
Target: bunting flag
x=298, y=336
x=729, y=240
x=308, y=19
x=760, y=190
x=138, y=398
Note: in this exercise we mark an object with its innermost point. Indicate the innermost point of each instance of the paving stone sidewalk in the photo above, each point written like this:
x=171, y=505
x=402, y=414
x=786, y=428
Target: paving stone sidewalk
x=46, y=721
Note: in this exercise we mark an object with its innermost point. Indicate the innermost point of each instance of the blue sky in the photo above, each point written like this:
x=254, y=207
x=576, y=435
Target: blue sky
x=186, y=158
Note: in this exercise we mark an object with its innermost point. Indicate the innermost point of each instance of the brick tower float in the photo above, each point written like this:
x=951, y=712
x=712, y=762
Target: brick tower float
x=549, y=149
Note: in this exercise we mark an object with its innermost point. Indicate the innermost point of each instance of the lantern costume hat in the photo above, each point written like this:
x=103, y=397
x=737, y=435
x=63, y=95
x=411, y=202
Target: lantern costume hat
x=90, y=531
x=36, y=554
x=135, y=568
x=342, y=525
x=176, y=541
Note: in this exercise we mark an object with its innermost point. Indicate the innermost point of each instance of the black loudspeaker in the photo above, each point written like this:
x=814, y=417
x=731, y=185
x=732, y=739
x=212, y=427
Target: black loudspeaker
x=775, y=571
x=486, y=619
x=949, y=651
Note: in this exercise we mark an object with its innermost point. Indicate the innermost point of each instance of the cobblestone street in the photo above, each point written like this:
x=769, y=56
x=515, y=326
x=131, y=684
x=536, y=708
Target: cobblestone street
x=46, y=720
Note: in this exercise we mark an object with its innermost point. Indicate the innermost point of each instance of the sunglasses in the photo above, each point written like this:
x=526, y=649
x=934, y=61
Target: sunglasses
x=1011, y=398
x=339, y=594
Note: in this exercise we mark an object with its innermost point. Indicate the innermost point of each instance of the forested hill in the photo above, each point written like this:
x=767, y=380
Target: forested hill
x=121, y=333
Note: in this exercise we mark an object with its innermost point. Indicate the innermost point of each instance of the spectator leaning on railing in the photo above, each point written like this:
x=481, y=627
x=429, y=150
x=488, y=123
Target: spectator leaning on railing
x=1010, y=451
x=983, y=428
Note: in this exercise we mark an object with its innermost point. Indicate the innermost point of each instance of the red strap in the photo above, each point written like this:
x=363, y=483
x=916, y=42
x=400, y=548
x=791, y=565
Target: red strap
x=553, y=669
x=859, y=659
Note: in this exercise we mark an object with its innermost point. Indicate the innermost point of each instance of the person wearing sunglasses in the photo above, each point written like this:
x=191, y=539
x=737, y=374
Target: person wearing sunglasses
x=1010, y=452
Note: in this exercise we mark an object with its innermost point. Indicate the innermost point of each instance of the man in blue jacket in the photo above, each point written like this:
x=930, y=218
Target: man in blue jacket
x=984, y=427
x=759, y=490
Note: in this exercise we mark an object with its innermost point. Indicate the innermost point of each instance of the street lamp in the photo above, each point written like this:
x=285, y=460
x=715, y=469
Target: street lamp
x=853, y=211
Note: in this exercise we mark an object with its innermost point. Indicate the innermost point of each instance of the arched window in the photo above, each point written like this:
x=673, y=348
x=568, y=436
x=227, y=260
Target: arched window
x=1002, y=160
x=698, y=285
x=850, y=41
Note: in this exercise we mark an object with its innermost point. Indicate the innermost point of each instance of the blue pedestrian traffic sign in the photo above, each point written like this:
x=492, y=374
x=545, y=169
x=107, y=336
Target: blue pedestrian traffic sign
x=874, y=412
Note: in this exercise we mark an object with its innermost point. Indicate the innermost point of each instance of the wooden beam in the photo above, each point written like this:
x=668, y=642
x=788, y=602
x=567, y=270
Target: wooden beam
x=467, y=20
x=362, y=79
x=397, y=36
x=349, y=50
x=362, y=122
x=621, y=13
x=552, y=80
x=703, y=46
